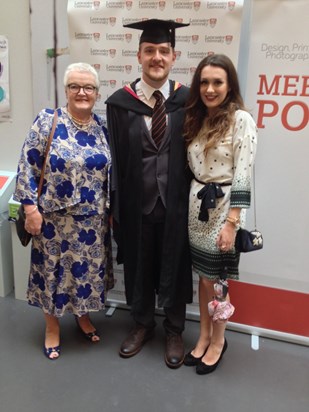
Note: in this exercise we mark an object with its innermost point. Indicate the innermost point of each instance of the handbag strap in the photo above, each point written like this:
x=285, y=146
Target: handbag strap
x=50, y=138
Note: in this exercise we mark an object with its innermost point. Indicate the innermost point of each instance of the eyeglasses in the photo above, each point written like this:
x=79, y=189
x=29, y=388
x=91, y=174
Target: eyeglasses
x=75, y=88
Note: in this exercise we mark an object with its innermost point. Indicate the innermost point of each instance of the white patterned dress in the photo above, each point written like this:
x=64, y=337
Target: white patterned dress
x=71, y=267
x=228, y=163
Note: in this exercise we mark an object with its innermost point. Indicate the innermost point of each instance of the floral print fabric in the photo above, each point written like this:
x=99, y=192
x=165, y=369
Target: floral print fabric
x=71, y=267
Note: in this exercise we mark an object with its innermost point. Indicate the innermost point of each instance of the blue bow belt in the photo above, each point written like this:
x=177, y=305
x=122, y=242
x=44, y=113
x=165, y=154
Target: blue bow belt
x=209, y=193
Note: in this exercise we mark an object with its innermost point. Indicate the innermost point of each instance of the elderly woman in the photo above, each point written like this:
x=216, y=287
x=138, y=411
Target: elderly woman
x=71, y=246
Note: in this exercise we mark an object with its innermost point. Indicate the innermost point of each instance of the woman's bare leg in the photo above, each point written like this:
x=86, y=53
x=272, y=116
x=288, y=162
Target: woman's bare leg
x=217, y=340
x=205, y=295
x=87, y=327
x=52, y=334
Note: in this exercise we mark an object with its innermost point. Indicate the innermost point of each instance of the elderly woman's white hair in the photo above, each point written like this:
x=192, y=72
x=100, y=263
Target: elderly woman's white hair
x=81, y=67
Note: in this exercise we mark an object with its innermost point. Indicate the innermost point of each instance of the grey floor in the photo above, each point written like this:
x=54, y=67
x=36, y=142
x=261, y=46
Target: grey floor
x=94, y=378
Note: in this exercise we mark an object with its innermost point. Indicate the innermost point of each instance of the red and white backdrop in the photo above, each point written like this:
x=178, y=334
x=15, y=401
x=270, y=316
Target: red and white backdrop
x=272, y=294
x=274, y=290
x=97, y=36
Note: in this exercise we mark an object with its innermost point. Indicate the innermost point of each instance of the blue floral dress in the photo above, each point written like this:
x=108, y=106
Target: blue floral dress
x=71, y=262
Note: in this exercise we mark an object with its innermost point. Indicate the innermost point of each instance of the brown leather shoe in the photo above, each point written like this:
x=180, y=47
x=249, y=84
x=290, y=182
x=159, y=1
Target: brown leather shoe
x=174, y=353
x=135, y=341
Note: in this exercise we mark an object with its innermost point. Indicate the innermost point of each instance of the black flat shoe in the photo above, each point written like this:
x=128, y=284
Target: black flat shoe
x=191, y=360
x=203, y=369
x=90, y=335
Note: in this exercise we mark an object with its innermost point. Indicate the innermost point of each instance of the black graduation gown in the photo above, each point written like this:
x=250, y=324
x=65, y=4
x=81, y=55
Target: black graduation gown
x=125, y=114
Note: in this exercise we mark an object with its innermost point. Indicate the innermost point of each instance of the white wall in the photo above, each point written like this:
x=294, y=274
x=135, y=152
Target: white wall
x=15, y=25
x=42, y=34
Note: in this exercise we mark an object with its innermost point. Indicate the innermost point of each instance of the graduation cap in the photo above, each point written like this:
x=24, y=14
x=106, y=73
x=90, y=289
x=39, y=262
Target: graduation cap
x=157, y=31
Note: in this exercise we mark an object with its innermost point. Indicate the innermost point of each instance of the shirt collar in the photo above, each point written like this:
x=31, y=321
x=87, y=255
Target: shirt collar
x=148, y=90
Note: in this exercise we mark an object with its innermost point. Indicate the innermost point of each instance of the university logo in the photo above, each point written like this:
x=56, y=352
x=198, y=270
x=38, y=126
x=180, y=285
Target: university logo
x=212, y=22
x=96, y=5
x=179, y=20
x=96, y=36
x=192, y=70
x=228, y=39
x=112, y=53
x=129, y=5
x=231, y=5
x=97, y=67
x=178, y=54
x=128, y=37
x=162, y=5
x=195, y=38
x=112, y=83
x=196, y=5
x=128, y=68
x=112, y=21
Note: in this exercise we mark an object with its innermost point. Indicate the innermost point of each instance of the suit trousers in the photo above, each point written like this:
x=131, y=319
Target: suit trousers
x=144, y=312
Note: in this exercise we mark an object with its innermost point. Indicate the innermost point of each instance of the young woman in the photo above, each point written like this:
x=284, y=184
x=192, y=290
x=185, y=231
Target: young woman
x=221, y=141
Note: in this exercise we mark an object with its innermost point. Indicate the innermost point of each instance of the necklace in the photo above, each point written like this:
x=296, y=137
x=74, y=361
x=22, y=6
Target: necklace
x=79, y=123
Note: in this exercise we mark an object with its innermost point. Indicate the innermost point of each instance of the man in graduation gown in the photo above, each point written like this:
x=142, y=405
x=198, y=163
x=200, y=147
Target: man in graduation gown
x=150, y=193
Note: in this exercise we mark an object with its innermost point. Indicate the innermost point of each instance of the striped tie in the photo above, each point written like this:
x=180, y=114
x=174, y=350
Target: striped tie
x=158, y=118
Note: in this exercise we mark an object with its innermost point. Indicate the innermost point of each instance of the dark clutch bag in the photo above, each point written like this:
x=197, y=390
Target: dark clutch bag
x=247, y=241
x=23, y=235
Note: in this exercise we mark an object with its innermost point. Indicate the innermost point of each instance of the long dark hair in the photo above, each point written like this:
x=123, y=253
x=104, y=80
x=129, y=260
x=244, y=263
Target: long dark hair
x=197, y=117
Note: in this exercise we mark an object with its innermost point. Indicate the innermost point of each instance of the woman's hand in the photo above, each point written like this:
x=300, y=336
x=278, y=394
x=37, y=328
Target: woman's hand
x=34, y=220
x=226, y=238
